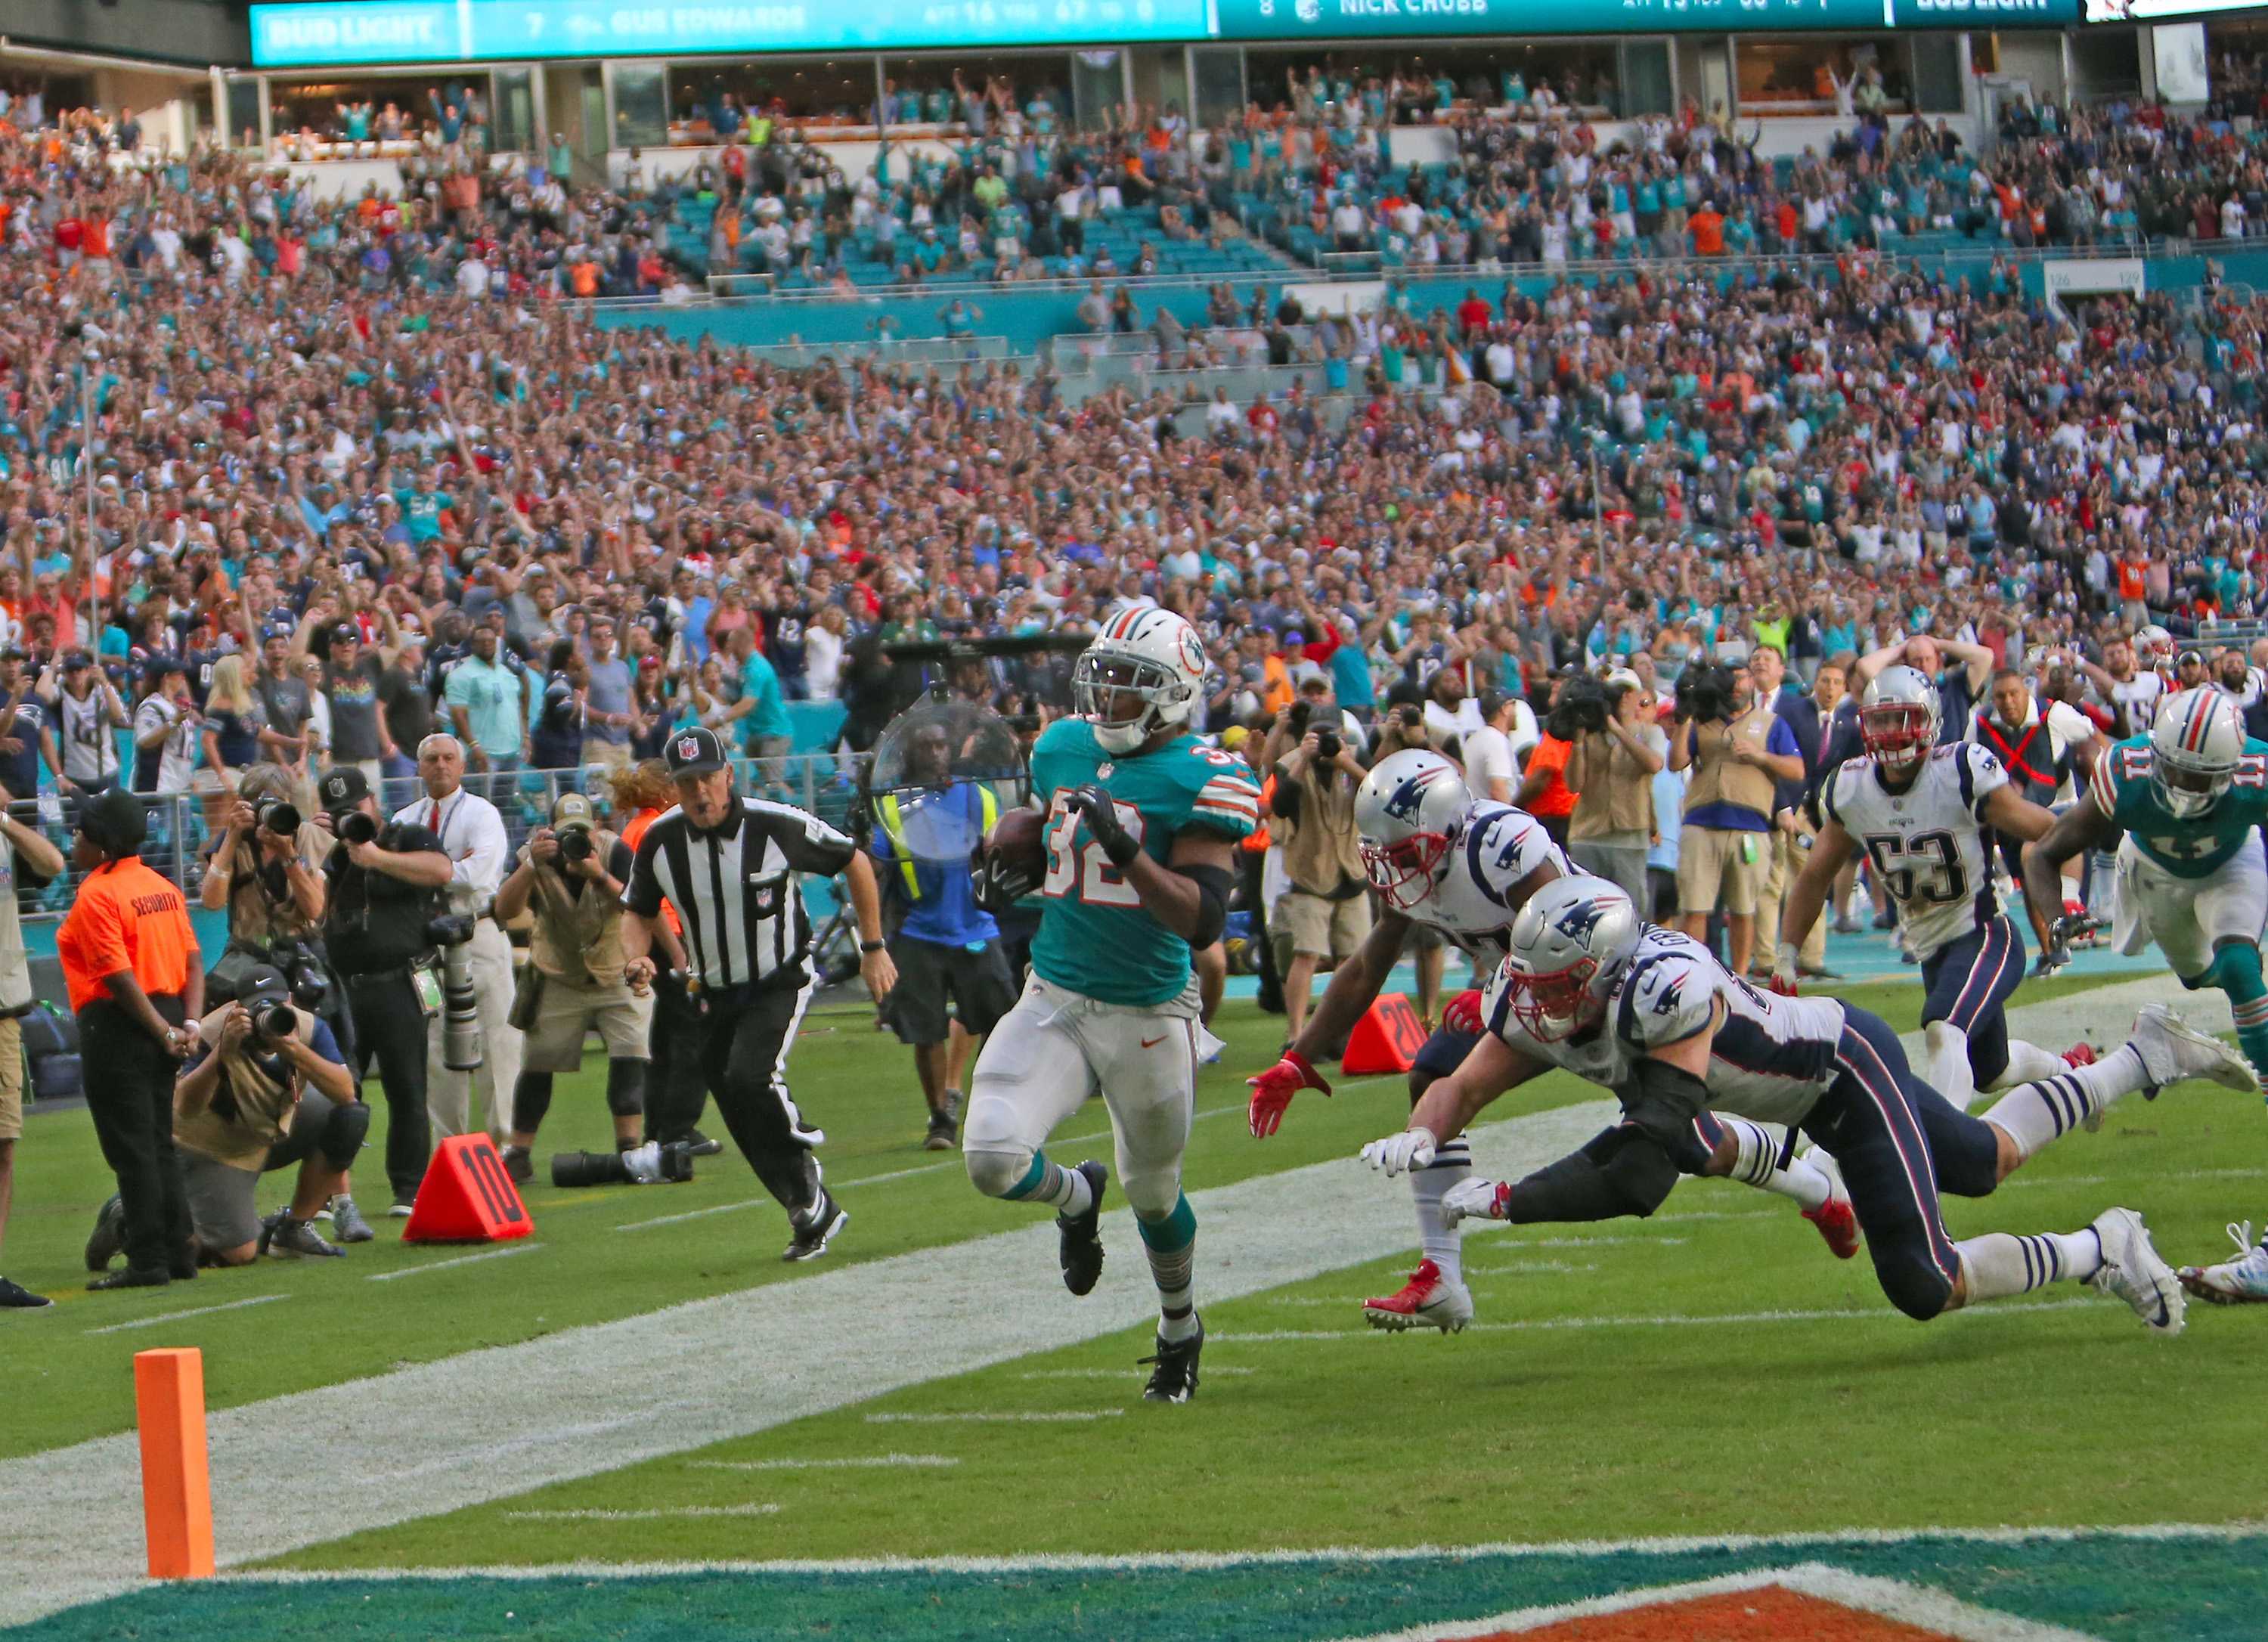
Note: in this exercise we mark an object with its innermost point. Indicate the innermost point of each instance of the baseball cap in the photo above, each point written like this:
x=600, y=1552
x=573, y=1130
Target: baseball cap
x=74, y=659
x=262, y=984
x=1492, y=702
x=342, y=789
x=346, y=633
x=695, y=752
x=164, y=664
x=572, y=810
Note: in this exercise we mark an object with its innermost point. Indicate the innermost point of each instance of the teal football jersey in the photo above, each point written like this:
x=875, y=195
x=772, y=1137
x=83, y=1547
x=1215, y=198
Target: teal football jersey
x=2186, y=846
x=1094, y=937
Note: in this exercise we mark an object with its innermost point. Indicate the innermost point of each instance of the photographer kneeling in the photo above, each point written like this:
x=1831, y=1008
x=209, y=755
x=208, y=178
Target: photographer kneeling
x=571, y=875
x=266, y=1089
x=1621, y=750
x=384, y=885
x=266, y=871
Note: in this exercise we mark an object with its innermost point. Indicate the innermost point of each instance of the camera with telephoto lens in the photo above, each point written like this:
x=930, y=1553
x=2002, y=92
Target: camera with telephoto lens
x=650, y=1164
x=1705, y=693
x=357, y=827
x=1581, y=710
x=278, y=815
x=576, y=844
x=304, y=972
x=460, y=1020
x=276, y=1020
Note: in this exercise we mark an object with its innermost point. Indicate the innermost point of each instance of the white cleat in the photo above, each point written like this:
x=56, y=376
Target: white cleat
x=2172, y=1050
x=2132, y=1272
x=2243, y=1281
x=1430, y=1300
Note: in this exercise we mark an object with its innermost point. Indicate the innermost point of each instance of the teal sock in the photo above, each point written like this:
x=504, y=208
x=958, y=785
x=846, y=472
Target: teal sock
x=2236, y=971
x=1051, y=1183
x=1172, y=1245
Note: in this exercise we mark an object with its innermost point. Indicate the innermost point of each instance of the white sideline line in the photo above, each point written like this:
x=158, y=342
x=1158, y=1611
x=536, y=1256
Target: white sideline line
x=748, y=1361
x=1583, y=1242
x=999, y=1417
x=658, y=1514
x=1670, y=1321
x=461, y=1260
x=1121, y=1374
x=693, y=1214
x=194, y=1311
x=857, y=1463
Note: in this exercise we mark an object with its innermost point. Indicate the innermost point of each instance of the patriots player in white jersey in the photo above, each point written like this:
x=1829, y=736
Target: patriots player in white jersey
x=1923, y=816
x=1465, y=867
x=1651, y=1015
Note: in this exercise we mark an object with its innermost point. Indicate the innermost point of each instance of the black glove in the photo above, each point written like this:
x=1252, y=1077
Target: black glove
x=999, y=883
x=1102, y=825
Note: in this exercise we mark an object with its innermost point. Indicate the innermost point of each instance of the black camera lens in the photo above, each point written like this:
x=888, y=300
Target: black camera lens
x=355, y=827
x=577, y=844
x=278, y=1020
x=279, y=817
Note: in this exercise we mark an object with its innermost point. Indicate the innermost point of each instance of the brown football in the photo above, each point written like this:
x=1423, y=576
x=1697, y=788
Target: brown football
x=1020, y=838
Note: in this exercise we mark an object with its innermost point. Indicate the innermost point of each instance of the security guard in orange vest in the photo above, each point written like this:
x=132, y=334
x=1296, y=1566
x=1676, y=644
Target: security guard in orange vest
x=130, y=960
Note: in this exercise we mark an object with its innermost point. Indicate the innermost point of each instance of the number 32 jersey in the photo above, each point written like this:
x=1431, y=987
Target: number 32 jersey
x=1926, y=844
x=2194, y=846
x=1094, y=937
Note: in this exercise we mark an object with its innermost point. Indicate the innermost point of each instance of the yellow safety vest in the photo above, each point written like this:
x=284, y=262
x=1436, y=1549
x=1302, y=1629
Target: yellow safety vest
x=893, y=826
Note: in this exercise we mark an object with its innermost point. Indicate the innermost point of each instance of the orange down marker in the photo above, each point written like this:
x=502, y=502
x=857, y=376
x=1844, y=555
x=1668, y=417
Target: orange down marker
x=169, y=1398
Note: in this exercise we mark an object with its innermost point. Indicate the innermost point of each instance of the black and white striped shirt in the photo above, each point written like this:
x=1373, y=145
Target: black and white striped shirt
x=735, y=888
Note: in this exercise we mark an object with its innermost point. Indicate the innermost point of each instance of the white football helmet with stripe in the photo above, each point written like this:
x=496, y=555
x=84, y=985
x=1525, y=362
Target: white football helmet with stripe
x=2194, y=746
x=1144, y=672
x=1565, y=952
x=1405, y=811
x=1898, y=719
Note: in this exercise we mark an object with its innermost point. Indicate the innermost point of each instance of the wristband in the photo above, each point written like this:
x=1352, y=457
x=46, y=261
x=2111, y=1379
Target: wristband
x=872, y=946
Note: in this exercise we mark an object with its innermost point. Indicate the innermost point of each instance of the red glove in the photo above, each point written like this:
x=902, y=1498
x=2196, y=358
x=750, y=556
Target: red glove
x=1273, y=1089
x=1463, y=1014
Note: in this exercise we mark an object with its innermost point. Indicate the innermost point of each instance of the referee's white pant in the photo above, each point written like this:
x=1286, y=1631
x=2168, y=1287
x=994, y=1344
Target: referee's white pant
x=448, y=1095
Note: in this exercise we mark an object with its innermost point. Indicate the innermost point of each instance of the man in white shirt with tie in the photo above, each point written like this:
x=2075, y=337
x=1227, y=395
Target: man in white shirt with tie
x=472, y=836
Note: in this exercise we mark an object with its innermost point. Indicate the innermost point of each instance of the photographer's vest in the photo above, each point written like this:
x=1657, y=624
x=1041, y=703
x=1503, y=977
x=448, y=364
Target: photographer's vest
x=263, y=1102
x=1720, y=778
x=1618, y=795
x=894, y=827
x=15, y=966
x=1324, y=852
x=577, y=938
x=258, y=911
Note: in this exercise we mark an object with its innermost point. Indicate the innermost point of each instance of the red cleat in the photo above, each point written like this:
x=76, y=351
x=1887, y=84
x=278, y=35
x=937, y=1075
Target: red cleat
x=2080, y=1053
x=1836, y=1224
x=1429, y=1300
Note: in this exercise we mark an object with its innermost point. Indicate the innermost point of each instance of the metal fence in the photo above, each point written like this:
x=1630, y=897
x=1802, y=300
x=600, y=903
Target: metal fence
x=185, y=826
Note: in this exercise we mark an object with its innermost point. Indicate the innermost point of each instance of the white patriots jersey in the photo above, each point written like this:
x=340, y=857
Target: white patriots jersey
x=1771, y=1059
x=1490, y=852
x=1926, y=844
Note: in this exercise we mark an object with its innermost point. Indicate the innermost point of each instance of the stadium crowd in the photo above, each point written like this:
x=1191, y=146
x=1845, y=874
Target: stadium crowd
x=365, y=469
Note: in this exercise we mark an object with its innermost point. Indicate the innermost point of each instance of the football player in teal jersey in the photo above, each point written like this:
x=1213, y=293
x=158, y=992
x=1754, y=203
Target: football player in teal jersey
x=2184, y=805
x=1141, y=824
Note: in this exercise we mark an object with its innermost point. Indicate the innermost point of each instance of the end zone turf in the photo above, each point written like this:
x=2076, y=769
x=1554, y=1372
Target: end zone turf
x=2171, y=1584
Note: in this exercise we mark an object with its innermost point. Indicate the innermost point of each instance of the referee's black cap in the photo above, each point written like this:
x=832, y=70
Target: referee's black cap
x=695, y=752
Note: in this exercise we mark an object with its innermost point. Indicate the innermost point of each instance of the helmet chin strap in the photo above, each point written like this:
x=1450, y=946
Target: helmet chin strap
x=1123, y=738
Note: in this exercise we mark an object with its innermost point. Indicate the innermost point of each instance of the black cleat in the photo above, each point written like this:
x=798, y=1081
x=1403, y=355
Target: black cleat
x=130, y=1277
x=16, y=1297
x=109, y=1235
x=1080, y=1250
x=1173, y=1379
x=518, y=1164
x=826, y=1218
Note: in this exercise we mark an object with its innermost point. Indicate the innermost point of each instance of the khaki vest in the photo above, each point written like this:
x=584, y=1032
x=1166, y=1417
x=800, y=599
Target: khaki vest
x=577, y=938
x=1323, y=851
x=1618, y=795
x=1717, y=778
x=15, y=966
x=252, y=916
x=264, y=1106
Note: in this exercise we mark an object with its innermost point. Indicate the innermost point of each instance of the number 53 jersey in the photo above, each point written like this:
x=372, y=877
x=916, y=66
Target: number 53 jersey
x=1094, y=937
x=1927, y=843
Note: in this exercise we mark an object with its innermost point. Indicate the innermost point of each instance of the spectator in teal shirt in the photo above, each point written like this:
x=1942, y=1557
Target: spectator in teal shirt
x=760, y=712
x=421, y=508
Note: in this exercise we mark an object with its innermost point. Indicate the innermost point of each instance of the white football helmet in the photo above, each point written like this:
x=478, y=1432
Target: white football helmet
x=1565, y=951
x=2153, y=649
x=1144, y=672
x=2195, y=745
x=1898, y=719
x=1407, y=810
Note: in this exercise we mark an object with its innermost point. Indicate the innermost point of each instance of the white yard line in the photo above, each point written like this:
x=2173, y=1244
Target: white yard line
x=461, y=1260
x=1118, y=1375
x=855, y=1463
x=999, y=1417
x=1673, y=1320
x=179, y=1316
x=658, y=1513
x=520, y=1416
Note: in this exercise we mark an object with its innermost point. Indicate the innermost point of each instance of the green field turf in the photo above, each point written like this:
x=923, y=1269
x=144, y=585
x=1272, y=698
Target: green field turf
x=334, y=1324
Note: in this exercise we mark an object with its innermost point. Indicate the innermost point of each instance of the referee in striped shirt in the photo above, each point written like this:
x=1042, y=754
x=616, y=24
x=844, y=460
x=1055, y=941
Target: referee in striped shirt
x=730, y=865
